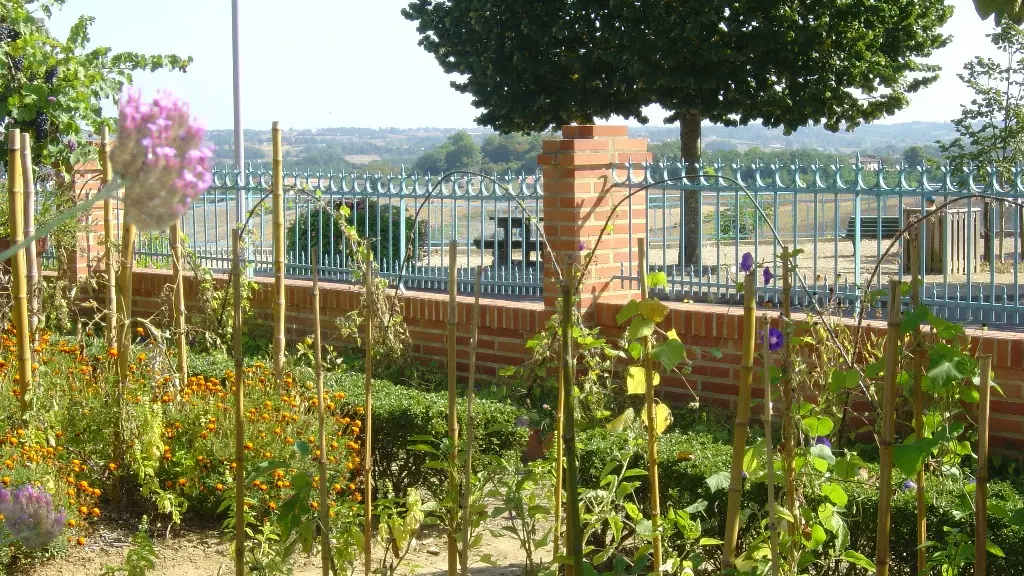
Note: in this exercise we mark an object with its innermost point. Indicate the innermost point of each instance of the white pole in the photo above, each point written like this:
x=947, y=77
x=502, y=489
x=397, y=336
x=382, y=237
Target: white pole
x=241, y=194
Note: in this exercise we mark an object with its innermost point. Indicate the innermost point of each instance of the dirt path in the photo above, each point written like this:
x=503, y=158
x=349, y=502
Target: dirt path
x=204, y=553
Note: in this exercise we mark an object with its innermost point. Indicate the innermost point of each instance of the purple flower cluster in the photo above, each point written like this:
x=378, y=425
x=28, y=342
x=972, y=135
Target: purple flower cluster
x=161, y=157
x=30, y=517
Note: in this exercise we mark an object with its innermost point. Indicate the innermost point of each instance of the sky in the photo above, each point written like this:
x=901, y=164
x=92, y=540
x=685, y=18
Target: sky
x=329, y=63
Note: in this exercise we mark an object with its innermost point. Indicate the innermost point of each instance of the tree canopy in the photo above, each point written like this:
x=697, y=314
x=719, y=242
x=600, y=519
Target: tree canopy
x=1008, y=10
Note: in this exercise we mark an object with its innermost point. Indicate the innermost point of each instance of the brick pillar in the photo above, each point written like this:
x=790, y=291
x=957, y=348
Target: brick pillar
x=579, y=195
x=88, y=253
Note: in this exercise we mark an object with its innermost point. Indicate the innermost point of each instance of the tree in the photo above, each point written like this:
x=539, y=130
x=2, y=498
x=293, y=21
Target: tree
x=990, y=130
x=531, y=65
x=516, y=153
x=54, y=89
x=457, y=152
x=1005, y=10
x=433, y=161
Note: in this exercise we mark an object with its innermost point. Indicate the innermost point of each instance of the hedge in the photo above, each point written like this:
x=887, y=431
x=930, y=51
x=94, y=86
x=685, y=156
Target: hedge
x=687, y=459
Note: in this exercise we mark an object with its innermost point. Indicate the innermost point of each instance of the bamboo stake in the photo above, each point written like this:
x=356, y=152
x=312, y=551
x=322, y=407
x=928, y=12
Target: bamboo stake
x=788, y=431
x=31, y=259
x=739, y=438
x=108, y=240
x=453, y=422
x=368, y=427
x=981, y=478
x=124, y=311
x=179, y=305
x=278, y=230
x=17, y=234
x=559, y=462
x=652, y=429
x=882, y=555
x=236, y=275
x=773, y=528
x=467, y=478
x=325, y=520
x=919, y=364
x=574, y=532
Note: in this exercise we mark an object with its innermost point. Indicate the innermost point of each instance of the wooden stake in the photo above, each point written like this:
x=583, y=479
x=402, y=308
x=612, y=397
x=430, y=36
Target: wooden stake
x=920, y=361
x=124, y=343
x=108, y=240
x=773, y=527
x=467, y=477
x=559, y=462
x=17, y=234
x=453, y=421
x=739, y=438
x=325, y=520
x=981, y=479
x=892, y=365
x=574, y=531
x=280, y=309
x=368, y=427
x=31, y=258
x=788, y=428
x=652, y=429
x=236, y=275
x=179, y=305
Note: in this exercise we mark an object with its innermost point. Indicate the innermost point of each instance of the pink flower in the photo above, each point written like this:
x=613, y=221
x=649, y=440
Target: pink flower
x=161, y=158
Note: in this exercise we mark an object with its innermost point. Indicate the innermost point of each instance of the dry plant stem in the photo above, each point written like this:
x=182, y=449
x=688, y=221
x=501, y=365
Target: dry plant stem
x=788, y=432
x=278, y=230
x=453, y=422
x=892, y=365
x=981, y=478
x=325, y=521
x=773, y=527
x=739, y=437
x=31, y=258
x=574, y=531
x=236, y=264
x=368, y=414
x=108, y=240
x=179, y=305
x=467, y=477
x=15, y=200
x=652, y=429
x=919, y=362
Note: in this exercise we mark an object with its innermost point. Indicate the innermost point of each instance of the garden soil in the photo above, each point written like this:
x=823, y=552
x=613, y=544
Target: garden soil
x=204, y=553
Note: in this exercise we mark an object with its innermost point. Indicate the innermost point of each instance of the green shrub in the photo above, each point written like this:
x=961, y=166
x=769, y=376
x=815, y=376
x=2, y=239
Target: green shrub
x=687, y=459
x=400, y=414
x=373, y=220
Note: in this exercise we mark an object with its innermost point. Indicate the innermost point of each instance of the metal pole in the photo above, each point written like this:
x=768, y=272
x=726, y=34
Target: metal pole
x=236, y=76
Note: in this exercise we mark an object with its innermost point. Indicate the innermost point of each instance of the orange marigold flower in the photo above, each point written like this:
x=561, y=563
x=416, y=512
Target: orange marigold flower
x=81, y=541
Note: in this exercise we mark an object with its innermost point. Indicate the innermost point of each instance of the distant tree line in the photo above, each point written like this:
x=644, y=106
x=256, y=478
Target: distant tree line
x=498, y=153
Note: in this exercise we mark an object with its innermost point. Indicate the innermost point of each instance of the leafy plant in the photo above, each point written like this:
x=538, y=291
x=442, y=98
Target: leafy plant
x=141, y=557
x=525, y=499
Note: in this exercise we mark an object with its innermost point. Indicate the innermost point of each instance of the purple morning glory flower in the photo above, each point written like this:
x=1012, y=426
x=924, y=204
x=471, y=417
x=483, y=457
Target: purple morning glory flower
x=582, y=247
x=909, y=485
x=747, y=262
x=774, y=339
x=822, y=441
x=743, y=474
x=522, y=422
x=767, y=275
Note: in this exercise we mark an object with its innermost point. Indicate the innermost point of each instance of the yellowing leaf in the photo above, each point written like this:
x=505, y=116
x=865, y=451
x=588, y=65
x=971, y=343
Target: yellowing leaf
x=636, y=381
x=620, y=423
x=652, y=309
x=662, y=418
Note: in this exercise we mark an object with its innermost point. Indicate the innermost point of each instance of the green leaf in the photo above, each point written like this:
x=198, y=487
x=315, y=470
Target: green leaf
x=718, y=481
x=818, y=426
x=622, y=422
x=835, y=493
x=640, y=327
x=670, y=352
x=910, y=456
x=656, y=279
x=627, y=312
x=709, y=542
x=818, y=536
x=858, y=559
x=994, y=549
x=913, y=319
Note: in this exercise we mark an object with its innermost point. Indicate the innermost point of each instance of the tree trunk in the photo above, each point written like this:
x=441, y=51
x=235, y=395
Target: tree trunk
x=689, y=229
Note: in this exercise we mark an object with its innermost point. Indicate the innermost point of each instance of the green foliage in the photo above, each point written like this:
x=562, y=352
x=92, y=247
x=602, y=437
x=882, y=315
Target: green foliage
x=990, y=130
x=402, y=414
x=399, y=523
x=141, y=557
x=458, y=152
x=525, y=501
x=378, y=223
x=515, y=153
x=741, y=223
x=54, y=88
x=1004, y=10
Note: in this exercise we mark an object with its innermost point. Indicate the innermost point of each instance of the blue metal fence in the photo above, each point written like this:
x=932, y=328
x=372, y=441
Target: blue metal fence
x=844, y=219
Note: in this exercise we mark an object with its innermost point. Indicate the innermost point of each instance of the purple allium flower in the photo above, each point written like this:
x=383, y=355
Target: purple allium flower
x=747, y=262
x=774, y=339
x=767, y=275
x=522, y=422
x=30, y=517
x=161, y=157
x=72, y=144
x=822, y=441
x=909, y=485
